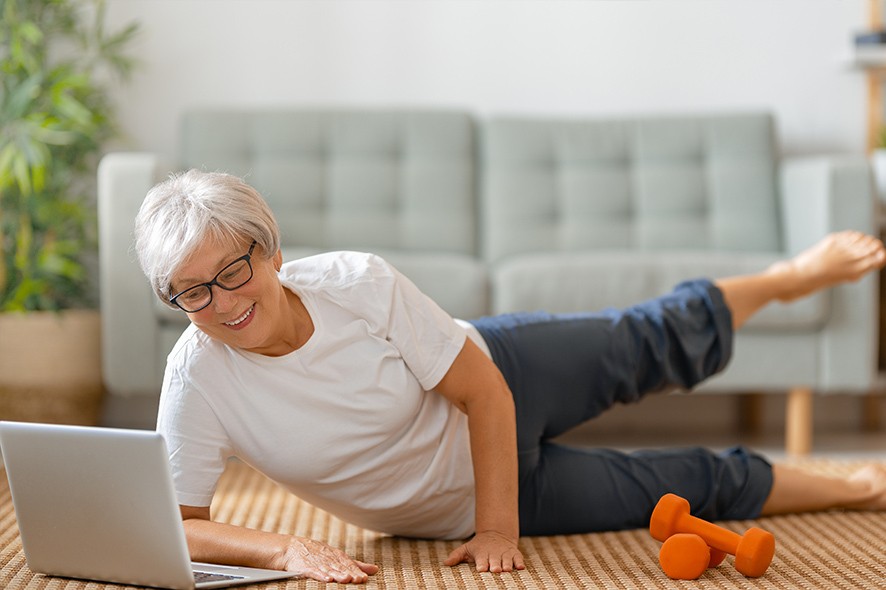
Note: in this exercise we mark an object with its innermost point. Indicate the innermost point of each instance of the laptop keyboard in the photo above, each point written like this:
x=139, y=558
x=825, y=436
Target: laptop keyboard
x=213, y=577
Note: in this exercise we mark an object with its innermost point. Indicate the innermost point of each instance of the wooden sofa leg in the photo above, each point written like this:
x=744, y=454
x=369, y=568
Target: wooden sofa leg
x=798, y=423
x=870, y=412
x=750, y=413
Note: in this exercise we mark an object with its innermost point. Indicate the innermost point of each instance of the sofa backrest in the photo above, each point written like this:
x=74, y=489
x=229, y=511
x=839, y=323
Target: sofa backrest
x=653, y=183
x=340, y=179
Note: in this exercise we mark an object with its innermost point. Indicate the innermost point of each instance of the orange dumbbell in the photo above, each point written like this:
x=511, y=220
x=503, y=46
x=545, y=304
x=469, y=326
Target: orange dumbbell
x=684, y=556
x=753, y=551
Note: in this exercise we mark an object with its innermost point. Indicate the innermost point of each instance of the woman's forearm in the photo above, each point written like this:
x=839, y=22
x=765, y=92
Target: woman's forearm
x=494, y=451
x=215, y=542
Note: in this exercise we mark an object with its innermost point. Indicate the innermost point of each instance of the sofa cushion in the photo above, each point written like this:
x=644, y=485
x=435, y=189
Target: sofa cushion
x=700, y=182
x=594, y=281
x=350, y=179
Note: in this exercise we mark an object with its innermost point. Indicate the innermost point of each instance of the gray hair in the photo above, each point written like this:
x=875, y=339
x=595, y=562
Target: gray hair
x=180, y=213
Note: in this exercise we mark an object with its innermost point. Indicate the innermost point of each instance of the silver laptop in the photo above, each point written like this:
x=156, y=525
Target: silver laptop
x=98, y=504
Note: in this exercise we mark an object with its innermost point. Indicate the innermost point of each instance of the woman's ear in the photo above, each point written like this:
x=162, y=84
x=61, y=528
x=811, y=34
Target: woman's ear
x=278, y=260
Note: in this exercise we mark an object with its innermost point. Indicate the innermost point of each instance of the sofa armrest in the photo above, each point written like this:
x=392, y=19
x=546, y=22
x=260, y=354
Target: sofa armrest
x=822, y=195
x=129, y=328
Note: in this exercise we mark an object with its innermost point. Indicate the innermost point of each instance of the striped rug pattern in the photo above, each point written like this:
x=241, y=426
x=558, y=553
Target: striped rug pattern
x=834, y=550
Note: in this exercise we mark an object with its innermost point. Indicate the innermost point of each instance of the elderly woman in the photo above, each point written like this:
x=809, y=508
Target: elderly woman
x=336, y=377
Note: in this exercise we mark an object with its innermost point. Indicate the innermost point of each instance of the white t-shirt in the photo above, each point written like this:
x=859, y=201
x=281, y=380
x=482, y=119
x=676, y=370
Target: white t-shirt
x=347, y=422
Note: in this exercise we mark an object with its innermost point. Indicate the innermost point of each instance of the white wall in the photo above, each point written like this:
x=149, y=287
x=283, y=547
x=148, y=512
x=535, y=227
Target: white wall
x=495, y=56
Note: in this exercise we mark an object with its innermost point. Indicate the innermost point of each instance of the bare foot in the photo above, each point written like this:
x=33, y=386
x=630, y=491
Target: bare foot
x=836, y=258
x=873, y=478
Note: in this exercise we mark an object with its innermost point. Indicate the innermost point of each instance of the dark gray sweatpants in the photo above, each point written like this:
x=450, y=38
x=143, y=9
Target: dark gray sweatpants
x=565, y=369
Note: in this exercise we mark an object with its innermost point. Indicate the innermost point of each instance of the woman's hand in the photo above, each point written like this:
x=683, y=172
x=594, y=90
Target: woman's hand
x=490, y=551
x=319, y=561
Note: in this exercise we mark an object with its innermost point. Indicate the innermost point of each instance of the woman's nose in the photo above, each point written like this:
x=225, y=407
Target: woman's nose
x=223, y=301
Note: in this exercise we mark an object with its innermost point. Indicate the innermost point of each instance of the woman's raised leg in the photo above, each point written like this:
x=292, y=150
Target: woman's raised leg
x=839, y=257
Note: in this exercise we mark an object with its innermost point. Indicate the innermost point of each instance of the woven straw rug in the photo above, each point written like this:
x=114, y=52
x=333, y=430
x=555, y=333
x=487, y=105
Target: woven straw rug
x=844, y=550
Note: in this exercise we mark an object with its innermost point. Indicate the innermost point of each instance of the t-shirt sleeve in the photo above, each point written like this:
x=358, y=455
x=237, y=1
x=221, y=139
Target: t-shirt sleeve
x=196, y=441
x=426, y=336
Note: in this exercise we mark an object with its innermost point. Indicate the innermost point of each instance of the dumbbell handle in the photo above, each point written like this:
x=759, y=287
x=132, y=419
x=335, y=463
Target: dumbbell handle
x=715, y=536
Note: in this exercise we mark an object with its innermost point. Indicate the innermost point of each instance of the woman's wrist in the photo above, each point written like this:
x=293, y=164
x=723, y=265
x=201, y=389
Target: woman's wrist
x=510, y=536
x=285, y=547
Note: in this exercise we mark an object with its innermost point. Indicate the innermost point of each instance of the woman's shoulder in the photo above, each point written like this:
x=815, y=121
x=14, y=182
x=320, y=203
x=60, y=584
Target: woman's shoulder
x=193, y=348
x=198, y=365
x=335, y=269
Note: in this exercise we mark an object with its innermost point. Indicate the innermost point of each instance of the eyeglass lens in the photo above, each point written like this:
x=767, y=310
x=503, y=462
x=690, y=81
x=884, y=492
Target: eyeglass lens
x=231, y=277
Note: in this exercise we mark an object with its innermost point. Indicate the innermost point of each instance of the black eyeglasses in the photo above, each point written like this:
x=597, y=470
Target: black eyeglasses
x=231, y=277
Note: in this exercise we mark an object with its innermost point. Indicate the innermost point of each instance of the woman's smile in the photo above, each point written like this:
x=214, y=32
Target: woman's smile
x=242, y=321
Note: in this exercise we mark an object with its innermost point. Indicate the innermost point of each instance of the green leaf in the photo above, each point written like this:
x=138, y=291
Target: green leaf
x=30, y=32
x=74, y=110
x=62, y=266
x=21, y=172
x=7, y=177
x=18, y=102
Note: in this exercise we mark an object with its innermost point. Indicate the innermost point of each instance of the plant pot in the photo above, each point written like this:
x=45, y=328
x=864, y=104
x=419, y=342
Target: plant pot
x=50, y=367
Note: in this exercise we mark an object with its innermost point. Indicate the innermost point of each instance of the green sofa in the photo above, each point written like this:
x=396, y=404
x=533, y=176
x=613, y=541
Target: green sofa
x=499, y=214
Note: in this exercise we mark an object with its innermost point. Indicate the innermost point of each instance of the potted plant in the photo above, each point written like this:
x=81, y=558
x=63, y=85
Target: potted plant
x=56, y=64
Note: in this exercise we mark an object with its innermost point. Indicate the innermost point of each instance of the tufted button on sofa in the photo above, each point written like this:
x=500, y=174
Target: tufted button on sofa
x=521, y=213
